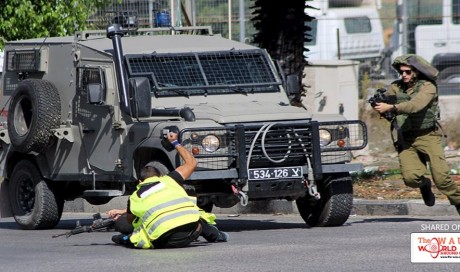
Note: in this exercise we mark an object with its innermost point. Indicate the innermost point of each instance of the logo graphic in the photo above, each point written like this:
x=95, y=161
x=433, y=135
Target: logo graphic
x=435, y=247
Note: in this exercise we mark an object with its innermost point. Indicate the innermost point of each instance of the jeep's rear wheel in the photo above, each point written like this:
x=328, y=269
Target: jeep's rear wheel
x=334, y=206
x=33, y=202
x=34, y=111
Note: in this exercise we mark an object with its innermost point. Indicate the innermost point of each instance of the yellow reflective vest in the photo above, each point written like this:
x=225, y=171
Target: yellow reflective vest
x=210, y=218
x=160, y=204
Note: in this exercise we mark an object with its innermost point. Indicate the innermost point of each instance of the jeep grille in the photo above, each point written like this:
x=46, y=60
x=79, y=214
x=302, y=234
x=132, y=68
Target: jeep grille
x=286, y=144
x=280, y=144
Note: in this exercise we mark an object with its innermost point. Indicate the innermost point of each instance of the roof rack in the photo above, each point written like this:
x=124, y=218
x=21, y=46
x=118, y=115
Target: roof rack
x=183, y=30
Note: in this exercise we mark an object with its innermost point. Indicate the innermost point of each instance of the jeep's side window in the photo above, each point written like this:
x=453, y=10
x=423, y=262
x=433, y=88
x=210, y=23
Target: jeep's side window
x=91, y=82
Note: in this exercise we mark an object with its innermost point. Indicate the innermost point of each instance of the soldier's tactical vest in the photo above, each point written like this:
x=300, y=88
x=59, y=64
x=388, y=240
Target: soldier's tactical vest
x=422, y=120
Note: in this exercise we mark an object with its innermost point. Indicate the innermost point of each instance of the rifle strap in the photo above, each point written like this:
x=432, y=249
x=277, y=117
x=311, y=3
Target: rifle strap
x=398, y=143
x=444, y=136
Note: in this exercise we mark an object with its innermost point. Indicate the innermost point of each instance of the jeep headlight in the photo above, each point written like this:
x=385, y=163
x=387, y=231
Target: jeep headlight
x=325, y=137
x=210, y=143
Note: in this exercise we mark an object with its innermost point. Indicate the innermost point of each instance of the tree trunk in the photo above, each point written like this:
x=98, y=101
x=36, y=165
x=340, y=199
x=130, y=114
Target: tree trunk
x=282, y=32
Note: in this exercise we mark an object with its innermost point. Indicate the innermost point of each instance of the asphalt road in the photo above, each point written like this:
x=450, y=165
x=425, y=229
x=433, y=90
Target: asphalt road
x=257, y=243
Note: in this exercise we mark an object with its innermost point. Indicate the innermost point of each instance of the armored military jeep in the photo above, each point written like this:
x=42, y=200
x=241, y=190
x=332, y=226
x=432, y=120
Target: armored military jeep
x=85, y=113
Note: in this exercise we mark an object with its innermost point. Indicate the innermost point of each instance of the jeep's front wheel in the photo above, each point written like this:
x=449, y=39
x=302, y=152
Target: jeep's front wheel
x=334, y=206
x=33, y=202
x=34, y=111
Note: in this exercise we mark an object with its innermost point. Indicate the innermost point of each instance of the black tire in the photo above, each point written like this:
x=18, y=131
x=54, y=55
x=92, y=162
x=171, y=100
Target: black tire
x=34, y=110
x=98, y=200
x=448, y=74
x=34, y=204
x=334, y=206
x=206, y=207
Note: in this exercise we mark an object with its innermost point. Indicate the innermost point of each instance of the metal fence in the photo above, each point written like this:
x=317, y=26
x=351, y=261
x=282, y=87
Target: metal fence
x=230, y=22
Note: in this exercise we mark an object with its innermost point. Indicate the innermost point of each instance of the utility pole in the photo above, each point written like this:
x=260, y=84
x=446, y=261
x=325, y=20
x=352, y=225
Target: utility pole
x=402, y=16
x=242, y=16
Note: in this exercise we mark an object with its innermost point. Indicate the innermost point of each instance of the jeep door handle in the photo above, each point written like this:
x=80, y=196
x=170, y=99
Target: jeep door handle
x=87, y=131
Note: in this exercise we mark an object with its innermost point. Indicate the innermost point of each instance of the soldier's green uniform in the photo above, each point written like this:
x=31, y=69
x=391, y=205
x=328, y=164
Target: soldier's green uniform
x=417, y=109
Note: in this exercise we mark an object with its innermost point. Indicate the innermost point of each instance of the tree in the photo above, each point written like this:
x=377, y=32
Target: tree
x=281, y=30
x=23, y=19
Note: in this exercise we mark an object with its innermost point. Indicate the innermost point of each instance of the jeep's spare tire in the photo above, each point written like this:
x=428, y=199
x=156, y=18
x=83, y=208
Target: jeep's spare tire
x=35, y=109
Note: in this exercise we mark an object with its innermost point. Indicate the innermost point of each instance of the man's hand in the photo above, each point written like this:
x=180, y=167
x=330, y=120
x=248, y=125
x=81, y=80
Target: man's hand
x=172, y=136
x=383, y=107
x=190, y=162
x=115, y=213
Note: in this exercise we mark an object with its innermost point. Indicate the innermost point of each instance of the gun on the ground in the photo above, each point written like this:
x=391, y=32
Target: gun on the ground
x=98, y=224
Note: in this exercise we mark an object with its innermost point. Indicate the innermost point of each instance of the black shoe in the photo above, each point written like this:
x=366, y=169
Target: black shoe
x=121, y=239
x=427, y=194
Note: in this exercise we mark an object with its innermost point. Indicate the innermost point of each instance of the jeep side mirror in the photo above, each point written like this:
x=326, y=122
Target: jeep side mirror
x=292, y=84
x=140, y=97
x=95, y=93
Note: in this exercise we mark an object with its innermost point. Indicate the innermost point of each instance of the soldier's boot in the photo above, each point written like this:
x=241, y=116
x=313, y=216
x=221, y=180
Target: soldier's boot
x=427, y=194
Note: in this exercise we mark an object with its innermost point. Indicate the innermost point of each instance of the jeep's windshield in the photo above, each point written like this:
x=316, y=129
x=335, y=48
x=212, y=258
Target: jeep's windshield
x=206, y=73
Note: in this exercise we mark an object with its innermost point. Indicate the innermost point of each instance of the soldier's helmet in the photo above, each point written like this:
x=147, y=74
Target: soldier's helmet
x=419, y=63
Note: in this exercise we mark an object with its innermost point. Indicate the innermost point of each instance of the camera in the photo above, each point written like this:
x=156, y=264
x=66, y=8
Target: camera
x=165, y=133
x=164, y=137
x=381, y=96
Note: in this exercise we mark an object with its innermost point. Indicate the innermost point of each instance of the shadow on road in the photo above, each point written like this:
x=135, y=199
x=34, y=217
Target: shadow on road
x=402, y=219
x=235, y=225
x=65, y=224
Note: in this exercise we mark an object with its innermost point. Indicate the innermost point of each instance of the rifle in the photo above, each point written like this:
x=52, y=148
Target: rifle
x=98, y=224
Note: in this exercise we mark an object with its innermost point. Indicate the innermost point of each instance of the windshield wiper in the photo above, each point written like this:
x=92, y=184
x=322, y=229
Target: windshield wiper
x=183, y=93
x=239, y=90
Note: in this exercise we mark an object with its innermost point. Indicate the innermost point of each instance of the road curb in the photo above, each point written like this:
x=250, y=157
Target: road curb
x=402, y=207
